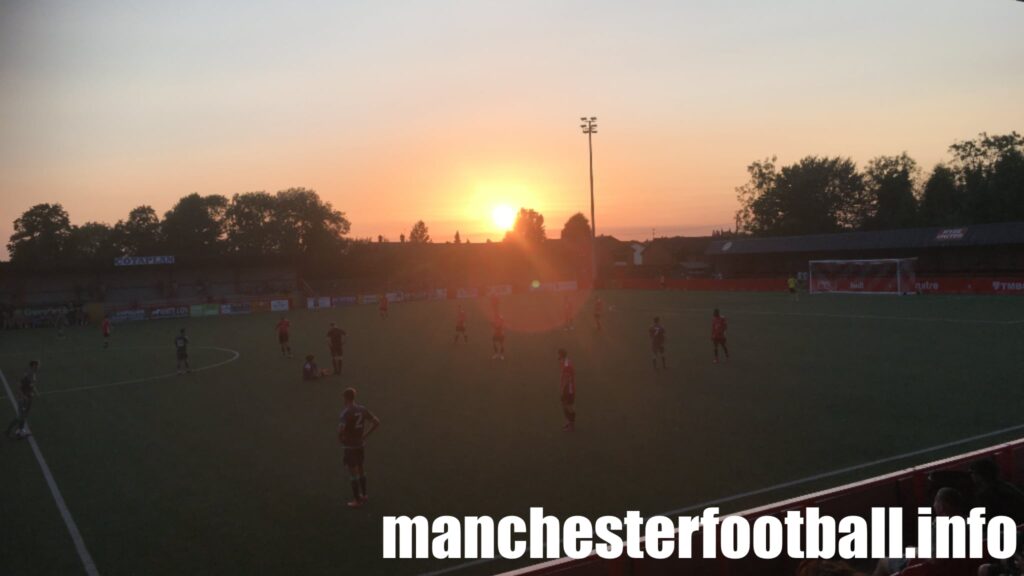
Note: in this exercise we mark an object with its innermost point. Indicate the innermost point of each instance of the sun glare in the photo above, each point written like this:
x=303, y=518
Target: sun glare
x=504, y=216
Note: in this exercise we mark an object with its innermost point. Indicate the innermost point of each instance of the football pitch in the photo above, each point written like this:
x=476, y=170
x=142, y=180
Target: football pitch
x=235, y=468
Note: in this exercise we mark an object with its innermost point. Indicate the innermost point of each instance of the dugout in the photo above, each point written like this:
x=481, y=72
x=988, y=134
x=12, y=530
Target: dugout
x=982, y=249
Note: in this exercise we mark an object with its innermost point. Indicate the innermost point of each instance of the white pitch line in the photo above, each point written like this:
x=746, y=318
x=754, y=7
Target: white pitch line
x=76, y=536
x=784, y=485
x=235, y=356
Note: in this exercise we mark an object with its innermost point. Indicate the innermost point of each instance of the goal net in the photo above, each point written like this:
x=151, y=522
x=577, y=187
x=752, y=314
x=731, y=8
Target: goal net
x=884, y=276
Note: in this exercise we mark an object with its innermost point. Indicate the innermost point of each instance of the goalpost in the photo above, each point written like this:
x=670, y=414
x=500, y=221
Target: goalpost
x=877, y=276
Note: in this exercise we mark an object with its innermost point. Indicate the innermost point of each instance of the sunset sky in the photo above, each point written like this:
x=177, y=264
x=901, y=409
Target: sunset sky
x=442, y=110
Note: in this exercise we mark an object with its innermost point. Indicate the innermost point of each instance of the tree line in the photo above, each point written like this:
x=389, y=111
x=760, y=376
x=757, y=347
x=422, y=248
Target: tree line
x=293, y=222
x=983, y=182
x=290, y=223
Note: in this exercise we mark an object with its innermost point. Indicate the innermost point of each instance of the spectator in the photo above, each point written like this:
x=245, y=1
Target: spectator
x=997, y=496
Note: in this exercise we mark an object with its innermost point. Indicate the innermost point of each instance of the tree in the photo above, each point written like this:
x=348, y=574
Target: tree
x=140, y=234
x=307, y=225
x=91, y=242
x=816, y=195
x=419, y=234
x=249, y=224
x=576, y=229
x=529, y=227
x=195, y=225
x=458, y=239
x=990, y=174
x=942, y=203
x=40, y=235
x=890, y=192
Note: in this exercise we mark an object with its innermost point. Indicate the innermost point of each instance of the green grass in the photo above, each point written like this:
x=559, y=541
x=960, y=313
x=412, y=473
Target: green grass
x=236, y=469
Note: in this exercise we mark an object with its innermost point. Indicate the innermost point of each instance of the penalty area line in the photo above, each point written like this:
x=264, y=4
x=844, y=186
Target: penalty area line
x=235, y=355
x=69, y=521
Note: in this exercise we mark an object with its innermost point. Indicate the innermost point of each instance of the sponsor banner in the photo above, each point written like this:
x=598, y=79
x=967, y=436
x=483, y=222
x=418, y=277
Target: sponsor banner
x=324, y=302
x=414, y=296
x=143, y=260
x=499, y=290
x=279, y=305
x=241, y=308
x=344, y=300
x=169, y=312
x=132, y=315
x=201, y=310
x=468, y=293
x=260, y=306
x=439, y=294
x=567, y=286
x=368, y=299
x=396, y=296
x=43, y=312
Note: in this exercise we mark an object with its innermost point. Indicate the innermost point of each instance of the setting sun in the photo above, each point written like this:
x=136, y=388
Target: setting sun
x=504, y=216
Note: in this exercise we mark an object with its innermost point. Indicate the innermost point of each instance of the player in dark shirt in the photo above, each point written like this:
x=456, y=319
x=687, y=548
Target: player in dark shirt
x=355, y=424
x=181, y=346
x=460, y=326
x=568, y=390
x=18, y=429
x=335, y=341
x=598, y=312
x=498, y=339
x=657, y=334
x=718, y=328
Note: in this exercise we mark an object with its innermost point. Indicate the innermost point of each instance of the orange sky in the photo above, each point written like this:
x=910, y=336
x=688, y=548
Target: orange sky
x=397, y=111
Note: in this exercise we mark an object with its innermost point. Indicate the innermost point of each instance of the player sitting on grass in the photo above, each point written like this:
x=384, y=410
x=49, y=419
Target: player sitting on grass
x=181, y=346
x=718, y=328
x=352, y=434
x=498, y=339
x=598, y=311
x=335, y=341
x=310, y=371
x=26, y=393
x=460, y=326
x=283, y=338
x=657, y=334
x=568, y=388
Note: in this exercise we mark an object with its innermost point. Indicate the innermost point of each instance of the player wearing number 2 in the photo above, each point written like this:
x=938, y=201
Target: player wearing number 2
x=355, y=425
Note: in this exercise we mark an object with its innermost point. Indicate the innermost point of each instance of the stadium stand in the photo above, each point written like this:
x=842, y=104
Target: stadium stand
x=907, y=489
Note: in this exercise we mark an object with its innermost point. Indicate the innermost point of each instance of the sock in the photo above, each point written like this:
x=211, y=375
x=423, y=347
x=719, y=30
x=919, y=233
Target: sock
x=362, y=485
x=355, y=487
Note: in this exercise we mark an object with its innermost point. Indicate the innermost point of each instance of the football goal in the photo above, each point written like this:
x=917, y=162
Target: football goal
x=881, y=276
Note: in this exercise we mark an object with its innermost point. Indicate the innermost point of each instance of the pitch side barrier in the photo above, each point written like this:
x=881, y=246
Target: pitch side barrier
x=924, y=284
x=906, y=489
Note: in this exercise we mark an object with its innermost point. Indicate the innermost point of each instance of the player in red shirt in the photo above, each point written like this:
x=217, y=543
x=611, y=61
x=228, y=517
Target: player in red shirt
x=460, y=326
x=598, y=312
x=283, y=326
x=383, y=306
x=568, y=389
x=718, y=328
x=498, y=339
x=105, y=326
